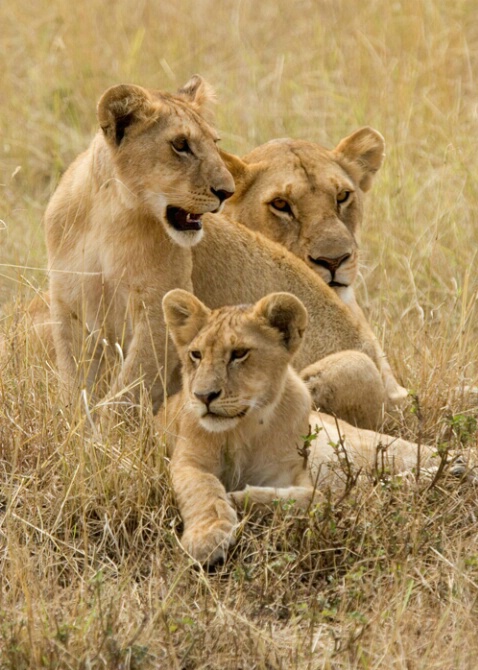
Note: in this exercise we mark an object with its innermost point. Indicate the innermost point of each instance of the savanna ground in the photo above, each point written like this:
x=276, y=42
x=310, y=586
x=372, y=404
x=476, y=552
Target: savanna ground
x=92, y=575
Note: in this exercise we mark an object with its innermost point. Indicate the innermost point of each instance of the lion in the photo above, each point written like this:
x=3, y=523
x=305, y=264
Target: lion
x=310, y=200
x=234, y=432
x=344, y=366
x=119, y=228
x=129, y=221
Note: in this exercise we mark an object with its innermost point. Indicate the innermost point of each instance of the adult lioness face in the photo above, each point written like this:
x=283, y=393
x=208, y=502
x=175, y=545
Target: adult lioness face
x=165, y=154
x=308, y=198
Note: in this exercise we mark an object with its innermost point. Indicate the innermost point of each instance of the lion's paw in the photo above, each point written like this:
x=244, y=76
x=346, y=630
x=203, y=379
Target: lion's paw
x=209, y=541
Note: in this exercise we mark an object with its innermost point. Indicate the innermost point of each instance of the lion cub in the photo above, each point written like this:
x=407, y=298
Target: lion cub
x=236, y=429
x=119, y=228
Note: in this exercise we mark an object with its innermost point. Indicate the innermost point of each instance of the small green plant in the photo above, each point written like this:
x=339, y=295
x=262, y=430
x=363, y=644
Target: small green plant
x=304, y=450
x=462, y=427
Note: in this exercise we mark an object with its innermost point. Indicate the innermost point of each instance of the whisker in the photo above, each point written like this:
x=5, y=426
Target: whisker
x=121, y=183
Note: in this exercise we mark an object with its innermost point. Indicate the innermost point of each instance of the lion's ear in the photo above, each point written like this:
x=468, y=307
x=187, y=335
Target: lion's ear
x=185, y=315
x=201, y=95
x=235, y=165
x=243, y=173
x=119, y=107
x=365, y=148
x=287, y=314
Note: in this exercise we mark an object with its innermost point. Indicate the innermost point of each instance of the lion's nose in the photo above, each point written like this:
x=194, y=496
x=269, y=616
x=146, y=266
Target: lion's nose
x=207, y=398
x=330, y=264
x=221, y=194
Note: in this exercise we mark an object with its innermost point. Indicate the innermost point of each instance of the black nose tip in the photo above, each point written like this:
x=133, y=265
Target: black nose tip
x=222, y=194
x=207, y=398
x=330, y=264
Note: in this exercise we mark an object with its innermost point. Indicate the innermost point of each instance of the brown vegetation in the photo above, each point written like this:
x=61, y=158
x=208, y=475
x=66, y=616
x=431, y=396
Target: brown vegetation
x=92, y=575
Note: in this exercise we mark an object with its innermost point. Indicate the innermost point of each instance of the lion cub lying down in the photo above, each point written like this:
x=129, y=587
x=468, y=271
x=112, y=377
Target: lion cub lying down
x=235, y=430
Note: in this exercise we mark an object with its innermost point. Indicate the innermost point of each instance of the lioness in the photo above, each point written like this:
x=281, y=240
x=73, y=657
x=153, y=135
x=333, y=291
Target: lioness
x=235, y=430
x=233, y=264
x=119, y=227
x=310, y=200
x=119, y=230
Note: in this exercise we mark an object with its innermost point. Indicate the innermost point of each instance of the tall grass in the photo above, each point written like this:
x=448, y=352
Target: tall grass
x=92, y=575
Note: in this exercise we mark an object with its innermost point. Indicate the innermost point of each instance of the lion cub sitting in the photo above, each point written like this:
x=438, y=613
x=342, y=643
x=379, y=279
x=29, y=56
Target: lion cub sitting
x=236, y=429
x=119, y=228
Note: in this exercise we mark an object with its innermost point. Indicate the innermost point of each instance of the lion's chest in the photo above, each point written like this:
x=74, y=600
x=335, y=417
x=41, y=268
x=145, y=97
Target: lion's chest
x=256, y=462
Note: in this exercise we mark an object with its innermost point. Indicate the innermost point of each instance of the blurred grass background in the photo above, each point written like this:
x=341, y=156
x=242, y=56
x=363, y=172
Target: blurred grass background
x=314, y=69
x=305, y=69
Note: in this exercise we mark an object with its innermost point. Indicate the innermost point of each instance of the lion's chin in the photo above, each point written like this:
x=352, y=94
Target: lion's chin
x=185, y=238
x=215, y=423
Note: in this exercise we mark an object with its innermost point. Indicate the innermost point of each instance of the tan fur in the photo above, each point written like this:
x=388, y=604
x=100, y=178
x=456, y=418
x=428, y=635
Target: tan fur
x=113, y=251
x=235, y=430
x=291, y=192
x=233, y=264
x=113, y=255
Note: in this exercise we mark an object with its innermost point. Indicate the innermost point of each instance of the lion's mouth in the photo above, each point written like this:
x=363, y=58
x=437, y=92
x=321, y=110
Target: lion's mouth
x=336, y=284
x=219, y=415
x=182, y=220
x=224, y=416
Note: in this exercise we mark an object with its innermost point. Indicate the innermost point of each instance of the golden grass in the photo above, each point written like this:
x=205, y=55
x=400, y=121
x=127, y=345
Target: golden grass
x=91, y=572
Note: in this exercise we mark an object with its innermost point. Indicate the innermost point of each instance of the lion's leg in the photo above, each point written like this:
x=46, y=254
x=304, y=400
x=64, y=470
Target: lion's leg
x=40, y=324
x=395, y=394
x=348, y=385
x=151, y=360
x=302, y=496
x=209, y=518
x=67, y=331
x=366, y=450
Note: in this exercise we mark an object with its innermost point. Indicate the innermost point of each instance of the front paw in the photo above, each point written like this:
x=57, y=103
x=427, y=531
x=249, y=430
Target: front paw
x=209, y=540
x=209, y=545
x=240, y=499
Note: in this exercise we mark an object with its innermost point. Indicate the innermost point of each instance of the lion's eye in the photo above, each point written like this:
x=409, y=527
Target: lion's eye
x=181, y=145
x=239, y=354
x=342, y=196
x=281, y=205
x=195, y=356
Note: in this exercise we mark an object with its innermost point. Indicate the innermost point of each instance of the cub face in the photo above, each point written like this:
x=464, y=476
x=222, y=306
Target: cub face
x=165, y=154
x=308, y=198
x=234, y=359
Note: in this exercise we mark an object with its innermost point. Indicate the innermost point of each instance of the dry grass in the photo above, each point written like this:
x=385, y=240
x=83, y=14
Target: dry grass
x=91, y=572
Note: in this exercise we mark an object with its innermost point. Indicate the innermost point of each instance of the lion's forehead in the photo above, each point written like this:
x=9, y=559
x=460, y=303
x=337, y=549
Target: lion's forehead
x=310, y=187
x=301, y=177
x=224, y=333
x=286, y=147
x=177, y=117
x=192, y=126
x=285, y=154
x=227, y=331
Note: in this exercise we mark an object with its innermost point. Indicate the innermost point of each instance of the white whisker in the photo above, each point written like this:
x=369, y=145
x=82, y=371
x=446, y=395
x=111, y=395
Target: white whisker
x=121, y=183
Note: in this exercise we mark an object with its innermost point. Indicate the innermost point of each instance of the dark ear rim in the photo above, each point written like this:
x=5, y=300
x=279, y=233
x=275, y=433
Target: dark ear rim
x=365, y=148
x=201, y=95
x=179, y=306
x=235, y=165
x=243, y=173
x=287, y=314
x=119, y=107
